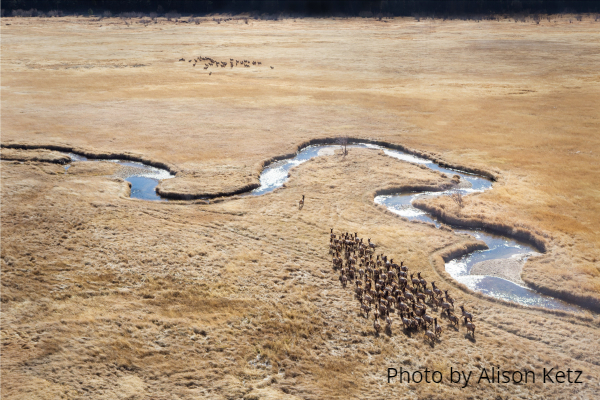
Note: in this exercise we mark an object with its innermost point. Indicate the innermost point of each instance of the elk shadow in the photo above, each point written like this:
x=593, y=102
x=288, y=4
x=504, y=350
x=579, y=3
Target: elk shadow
x=470, y=338
x=407, y=332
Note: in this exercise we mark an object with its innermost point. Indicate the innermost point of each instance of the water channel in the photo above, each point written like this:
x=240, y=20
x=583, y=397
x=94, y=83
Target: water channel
x=144, y=180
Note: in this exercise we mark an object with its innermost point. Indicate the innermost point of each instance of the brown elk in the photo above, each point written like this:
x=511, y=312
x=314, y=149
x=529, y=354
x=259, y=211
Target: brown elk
x=470, y=327
x=449, y=299
x=428, y=319
x=366, y=309
x=406, y=322
x=371, y=245
x=446, y=307
x=403, y=267
x=428, y=292
x=344, y=280
x=453, y=319
x=359, y=292
x=421, y=280
x=438, y=328
x=382, y=309
x=415, y=282
x=466, y=314
x=437, y=291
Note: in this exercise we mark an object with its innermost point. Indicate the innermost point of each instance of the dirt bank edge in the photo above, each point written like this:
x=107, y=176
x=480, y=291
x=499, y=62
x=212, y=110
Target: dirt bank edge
x=440, y=257
x=93, y=154
x=521, y=234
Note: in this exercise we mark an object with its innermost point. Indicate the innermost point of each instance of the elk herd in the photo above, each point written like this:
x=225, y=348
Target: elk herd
x=210, y=62
x=384, y=288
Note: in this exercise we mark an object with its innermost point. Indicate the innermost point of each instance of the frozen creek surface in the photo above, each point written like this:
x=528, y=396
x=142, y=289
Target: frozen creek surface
x=144, y=180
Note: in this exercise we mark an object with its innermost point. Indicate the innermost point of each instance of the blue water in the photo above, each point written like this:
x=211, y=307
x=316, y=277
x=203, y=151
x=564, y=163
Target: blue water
x=144, y=188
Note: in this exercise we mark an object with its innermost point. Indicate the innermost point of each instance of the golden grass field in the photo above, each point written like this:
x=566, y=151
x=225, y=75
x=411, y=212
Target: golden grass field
x=112, y=298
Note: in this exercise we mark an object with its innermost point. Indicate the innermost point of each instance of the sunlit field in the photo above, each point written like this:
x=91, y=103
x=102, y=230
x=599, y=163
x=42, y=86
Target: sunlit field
x=108, y=297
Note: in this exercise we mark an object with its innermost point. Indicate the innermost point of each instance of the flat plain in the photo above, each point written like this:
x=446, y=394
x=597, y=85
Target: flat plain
x=108, y=297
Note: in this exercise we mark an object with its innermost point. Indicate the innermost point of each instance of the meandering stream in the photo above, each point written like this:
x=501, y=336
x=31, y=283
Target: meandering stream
x=144, y=180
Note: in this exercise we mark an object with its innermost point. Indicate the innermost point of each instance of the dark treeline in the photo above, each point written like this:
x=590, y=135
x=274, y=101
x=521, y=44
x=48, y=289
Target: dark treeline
x=314, y=7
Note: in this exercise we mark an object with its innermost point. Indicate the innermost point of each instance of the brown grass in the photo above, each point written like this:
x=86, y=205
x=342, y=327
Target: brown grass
x=107, y=297
x=237, y=298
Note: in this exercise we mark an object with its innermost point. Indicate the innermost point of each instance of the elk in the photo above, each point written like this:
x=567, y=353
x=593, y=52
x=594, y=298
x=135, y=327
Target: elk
x=446, y=307
x=437, y=291
x=371, y=245
x=430, y=335
x=453, y=319
x=419, y=309
x=466, y=314
x=438, y=328
x=402, y=307
x=359, y=293
x=449, y=299
x=418, y=320
x=428, y=292
x=366, y=309
x=470, y=327
x=376, y=325
x=331, y=246
x=406, y=322
x=344, y=280
x=415, y=282
x=428, y=319
x=382, y=309
x=421, y=280
x=403, y=267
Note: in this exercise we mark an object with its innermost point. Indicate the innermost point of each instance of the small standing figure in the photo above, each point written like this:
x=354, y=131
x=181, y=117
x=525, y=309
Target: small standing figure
x=301, y=204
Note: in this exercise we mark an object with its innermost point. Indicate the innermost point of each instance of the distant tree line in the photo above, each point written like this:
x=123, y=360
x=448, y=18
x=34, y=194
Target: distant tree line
x=437, y=8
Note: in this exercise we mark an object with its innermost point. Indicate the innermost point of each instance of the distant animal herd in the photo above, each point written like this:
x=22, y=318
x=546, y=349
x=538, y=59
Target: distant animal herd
x=383, y=288
x=211, y=62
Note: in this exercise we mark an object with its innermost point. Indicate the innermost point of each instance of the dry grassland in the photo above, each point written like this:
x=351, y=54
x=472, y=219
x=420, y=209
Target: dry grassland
x=108, y=297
